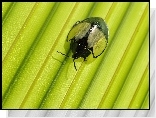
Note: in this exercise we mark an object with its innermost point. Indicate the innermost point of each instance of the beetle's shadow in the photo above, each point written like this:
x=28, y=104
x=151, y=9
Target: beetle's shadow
x=67, y=45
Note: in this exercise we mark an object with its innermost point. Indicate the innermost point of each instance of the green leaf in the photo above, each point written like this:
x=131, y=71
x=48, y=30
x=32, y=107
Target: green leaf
x=36, y=76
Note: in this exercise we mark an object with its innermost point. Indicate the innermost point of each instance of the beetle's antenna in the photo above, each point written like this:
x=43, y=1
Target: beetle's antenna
x=74, y=64
x=69, y=57
x=63, y=54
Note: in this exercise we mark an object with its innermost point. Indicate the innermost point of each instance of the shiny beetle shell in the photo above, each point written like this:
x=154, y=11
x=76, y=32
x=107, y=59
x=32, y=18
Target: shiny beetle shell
x=89, y=36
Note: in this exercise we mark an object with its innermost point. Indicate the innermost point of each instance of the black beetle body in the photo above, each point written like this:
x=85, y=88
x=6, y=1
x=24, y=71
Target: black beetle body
x=86, y=37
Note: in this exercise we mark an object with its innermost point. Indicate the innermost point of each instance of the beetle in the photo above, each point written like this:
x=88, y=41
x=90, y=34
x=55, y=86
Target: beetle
x=86, y=37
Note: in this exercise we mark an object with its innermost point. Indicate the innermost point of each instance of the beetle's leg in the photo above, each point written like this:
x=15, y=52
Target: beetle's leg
x=74, y=64
x=85, y=59
x=63, y=54
x=91, y=49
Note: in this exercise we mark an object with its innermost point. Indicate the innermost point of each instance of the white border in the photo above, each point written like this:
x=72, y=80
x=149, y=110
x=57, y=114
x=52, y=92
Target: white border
x=152, y=3
x=3, y=113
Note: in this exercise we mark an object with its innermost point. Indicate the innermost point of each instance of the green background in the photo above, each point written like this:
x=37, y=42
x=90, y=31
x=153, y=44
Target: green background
x=35, y=76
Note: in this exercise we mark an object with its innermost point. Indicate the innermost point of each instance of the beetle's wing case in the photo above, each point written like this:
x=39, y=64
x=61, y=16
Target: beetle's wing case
x=99, y=47
x=78, y=31
x=98, y=37
x=97, y=41
x=100, y=23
